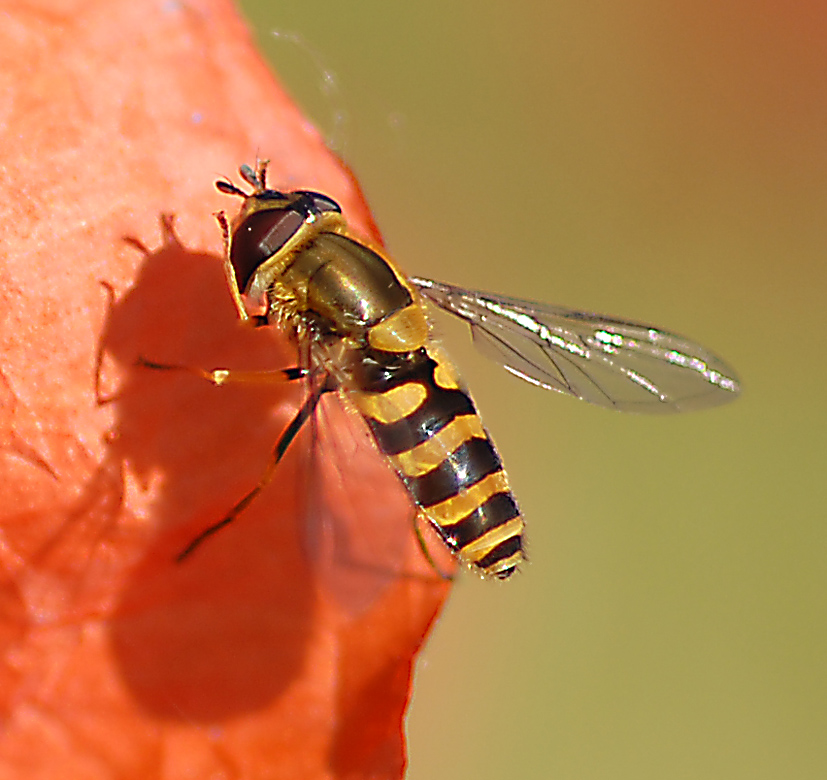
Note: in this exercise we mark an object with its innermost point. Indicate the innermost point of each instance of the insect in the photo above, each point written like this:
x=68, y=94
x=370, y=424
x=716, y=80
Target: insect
x=361, y=326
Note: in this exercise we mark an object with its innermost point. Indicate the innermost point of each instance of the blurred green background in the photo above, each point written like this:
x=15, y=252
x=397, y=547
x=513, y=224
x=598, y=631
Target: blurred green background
x=664, y=161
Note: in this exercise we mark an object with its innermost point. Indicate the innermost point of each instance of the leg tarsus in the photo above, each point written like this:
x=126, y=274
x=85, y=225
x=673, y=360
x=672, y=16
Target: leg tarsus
x=423, y=545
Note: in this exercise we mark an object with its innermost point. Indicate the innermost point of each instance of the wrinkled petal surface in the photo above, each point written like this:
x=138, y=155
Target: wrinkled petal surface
x=250, y=659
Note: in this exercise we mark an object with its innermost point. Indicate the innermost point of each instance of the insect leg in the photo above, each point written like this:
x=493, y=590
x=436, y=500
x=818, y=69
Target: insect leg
x=423, y=545
x=229, y=271
x=223, y=376
x=305, y=413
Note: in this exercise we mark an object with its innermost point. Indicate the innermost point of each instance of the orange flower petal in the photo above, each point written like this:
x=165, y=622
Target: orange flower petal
x=282, y=647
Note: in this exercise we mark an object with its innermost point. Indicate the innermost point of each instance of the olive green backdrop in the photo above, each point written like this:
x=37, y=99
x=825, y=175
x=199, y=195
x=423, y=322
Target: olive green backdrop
x=664, y=161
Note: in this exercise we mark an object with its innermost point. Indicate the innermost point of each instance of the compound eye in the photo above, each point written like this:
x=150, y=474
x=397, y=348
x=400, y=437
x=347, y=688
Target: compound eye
x=258, y=238
x=321, y=202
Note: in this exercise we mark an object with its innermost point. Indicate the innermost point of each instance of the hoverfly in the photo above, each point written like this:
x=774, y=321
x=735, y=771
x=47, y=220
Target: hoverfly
x=292, y=262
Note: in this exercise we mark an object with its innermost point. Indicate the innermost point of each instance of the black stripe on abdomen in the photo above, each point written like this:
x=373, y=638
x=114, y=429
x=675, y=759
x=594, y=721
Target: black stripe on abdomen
x=494, y=512
x=504, y=550
x=440, y=407
x=465, y=466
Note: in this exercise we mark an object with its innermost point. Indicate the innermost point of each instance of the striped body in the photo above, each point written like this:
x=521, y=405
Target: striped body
x=292, y=255
x=428, y=427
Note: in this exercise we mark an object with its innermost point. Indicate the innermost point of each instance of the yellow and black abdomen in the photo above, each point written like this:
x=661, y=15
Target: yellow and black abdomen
x=428, y=426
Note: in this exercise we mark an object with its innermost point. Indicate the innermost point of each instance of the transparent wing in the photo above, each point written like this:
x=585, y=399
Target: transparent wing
x=357, y=519
x=621, y=365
